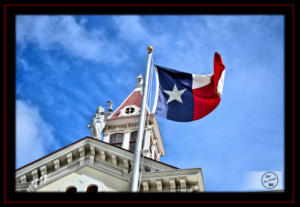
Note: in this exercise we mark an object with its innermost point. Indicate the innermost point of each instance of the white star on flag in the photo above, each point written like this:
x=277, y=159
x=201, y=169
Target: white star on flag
x=175, y=94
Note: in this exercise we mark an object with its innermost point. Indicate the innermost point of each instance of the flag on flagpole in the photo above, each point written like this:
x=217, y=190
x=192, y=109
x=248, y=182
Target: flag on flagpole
x=187, y=97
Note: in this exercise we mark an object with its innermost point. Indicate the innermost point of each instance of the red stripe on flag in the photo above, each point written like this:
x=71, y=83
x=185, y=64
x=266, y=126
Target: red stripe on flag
x=206, y=98
x=205, y=101
x=218, y=69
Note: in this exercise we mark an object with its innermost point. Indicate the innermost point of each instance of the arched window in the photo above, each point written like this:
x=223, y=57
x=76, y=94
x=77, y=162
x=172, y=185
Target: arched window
x=132, y=141
x=92, y=189
x=116, y=139
x=71, y=189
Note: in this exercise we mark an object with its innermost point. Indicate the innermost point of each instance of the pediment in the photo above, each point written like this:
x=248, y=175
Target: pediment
x=87, y=152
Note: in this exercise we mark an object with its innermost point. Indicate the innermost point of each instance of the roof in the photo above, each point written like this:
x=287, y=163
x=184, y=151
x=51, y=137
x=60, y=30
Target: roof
x=134, y=99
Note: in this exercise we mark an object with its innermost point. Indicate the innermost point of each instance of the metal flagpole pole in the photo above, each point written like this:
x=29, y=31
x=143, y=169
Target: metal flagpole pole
x=140, y=135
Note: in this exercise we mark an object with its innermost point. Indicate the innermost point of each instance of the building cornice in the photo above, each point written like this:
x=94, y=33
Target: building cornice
x=85, y=152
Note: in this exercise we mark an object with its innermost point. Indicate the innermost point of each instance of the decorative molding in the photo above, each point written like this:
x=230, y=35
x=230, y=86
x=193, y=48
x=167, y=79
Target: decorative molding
x=34, y=174
x=119, y=164
x=43, y=178
x=172, y=185
x=43, y=170
x=23, y=179
x=194, y=188
x=92, y=154
x=34, y=181
x=182, y=185
x=102, y=155
x=114, y=159
x=81, y=154
x=56, y=164
x=69, y=157
x=159, y=186
x=122, y=128
x=145, y=186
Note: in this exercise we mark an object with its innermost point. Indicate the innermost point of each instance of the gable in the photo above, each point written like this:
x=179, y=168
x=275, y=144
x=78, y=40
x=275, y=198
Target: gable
x=133, y=101
x=111, y=162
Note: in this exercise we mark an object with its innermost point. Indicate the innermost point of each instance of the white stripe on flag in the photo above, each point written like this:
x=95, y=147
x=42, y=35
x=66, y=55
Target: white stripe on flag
x=200, y=80
x=221, y=83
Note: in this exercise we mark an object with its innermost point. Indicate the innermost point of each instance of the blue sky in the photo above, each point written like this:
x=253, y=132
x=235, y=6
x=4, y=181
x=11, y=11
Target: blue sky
x=66, y=66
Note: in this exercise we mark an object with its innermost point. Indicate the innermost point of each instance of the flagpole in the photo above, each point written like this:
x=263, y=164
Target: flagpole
x=140, y=135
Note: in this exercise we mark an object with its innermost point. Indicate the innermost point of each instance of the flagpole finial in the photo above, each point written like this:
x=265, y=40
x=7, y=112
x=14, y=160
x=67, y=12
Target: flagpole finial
x=150, y=48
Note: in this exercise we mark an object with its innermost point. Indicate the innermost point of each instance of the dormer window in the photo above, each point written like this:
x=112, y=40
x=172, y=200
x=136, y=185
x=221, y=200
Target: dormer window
x=129, y=110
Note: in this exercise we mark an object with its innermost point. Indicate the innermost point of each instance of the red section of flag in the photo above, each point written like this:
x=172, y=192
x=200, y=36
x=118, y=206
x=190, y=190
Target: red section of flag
x=206, y=98
x=218, y=69
x=203, y=104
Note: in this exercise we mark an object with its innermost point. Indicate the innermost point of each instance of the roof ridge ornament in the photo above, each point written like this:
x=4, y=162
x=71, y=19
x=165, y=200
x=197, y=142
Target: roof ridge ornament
x=140, y=81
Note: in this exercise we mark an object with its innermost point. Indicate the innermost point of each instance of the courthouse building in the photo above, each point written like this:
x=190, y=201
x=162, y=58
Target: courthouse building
x=95, y=164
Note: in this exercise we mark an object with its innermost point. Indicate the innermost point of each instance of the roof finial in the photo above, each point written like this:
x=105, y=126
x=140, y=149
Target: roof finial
x=140, y=81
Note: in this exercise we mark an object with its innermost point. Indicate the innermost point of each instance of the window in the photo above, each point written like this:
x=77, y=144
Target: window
x=132, y=141
x=116, y=139
x=129, y=110
x=71, y=189
x=150, y=147
x=92, y=189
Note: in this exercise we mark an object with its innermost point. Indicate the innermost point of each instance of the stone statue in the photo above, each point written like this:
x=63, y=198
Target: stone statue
x=99, y=120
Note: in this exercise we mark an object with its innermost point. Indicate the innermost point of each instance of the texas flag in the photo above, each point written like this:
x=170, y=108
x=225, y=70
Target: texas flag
x=187, y=97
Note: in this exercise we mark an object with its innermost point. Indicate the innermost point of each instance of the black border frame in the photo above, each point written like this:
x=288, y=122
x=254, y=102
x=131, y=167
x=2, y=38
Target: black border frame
x=9, y=12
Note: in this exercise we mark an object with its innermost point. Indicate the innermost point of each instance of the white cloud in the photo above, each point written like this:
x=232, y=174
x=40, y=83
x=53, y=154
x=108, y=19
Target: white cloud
x=49, y=32
x=131, y=29
x=33, y=134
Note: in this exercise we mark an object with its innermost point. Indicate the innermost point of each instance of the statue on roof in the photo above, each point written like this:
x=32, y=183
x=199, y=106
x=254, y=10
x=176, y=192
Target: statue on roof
x=99, y=120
